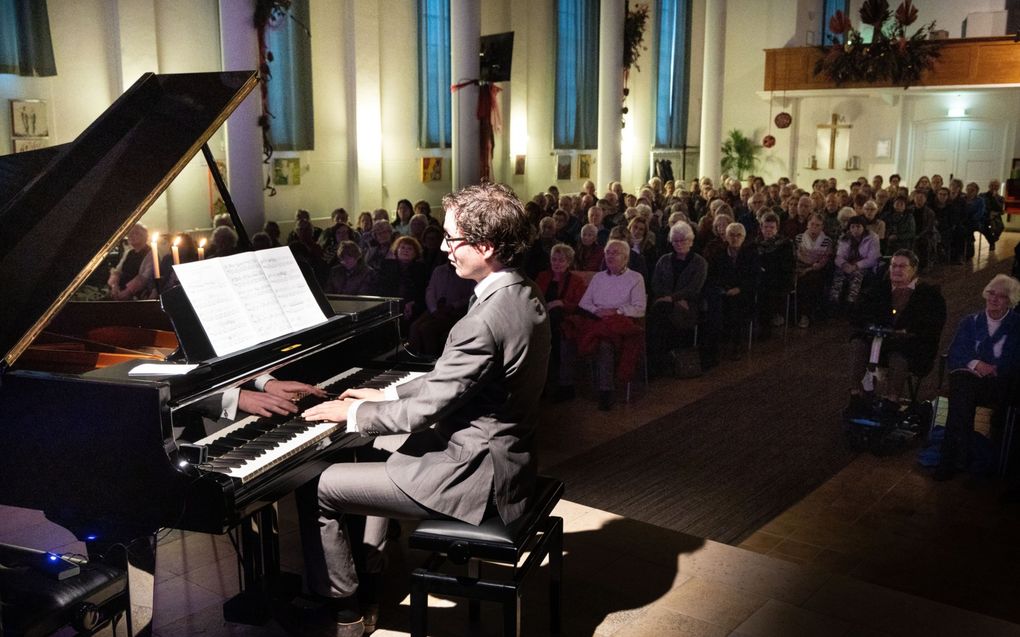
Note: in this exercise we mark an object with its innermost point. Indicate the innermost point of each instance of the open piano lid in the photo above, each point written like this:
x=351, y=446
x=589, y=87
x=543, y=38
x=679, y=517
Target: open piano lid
x=69, y=205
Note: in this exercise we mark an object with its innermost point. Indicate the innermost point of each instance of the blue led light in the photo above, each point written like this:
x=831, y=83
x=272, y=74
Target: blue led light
x=89, y=538
x=53, y=558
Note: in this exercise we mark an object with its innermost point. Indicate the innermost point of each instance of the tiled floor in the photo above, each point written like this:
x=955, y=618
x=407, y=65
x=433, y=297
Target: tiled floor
x=878, y=550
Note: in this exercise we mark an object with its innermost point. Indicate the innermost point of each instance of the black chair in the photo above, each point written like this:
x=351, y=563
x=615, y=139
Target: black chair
x=536, y=532
x=39, y=598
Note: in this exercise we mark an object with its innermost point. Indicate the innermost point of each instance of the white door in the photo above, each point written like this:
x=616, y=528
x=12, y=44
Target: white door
x=967, y=149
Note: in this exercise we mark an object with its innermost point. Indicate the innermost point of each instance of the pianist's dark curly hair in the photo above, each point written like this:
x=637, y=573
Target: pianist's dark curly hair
x=491, y=213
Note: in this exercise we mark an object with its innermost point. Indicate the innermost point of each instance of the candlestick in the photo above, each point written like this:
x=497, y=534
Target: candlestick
x=201, y=249
x=176, y=251
x=155, y=254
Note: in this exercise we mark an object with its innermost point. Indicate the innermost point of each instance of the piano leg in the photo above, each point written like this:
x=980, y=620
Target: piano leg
x=137, y=558
x=261, y=579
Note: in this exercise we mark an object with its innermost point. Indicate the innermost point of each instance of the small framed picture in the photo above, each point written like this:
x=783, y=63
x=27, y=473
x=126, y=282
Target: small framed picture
x=519, y=164
x=286, y=171
x=29, y=118
x=22, y=144
x=883, y=149
x=563, y=167
x=431, y=169
x=584, y=166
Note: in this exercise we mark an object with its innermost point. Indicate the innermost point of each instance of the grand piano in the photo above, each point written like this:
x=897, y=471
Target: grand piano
x=98, y=450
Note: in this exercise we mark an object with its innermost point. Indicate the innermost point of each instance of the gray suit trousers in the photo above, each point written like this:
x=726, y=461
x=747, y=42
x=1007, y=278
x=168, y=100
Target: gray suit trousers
x=361, y=488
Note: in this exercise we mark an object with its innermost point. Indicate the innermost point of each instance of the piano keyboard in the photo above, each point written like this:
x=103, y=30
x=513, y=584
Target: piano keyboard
x=253, y=445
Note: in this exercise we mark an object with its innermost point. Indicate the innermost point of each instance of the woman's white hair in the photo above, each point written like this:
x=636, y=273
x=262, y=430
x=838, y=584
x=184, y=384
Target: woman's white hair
x=680, y=230
x=1004, y=284
x=623, y=245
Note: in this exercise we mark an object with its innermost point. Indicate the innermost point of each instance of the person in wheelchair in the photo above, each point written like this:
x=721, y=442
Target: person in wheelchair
x=984, y=366
x=909, y=315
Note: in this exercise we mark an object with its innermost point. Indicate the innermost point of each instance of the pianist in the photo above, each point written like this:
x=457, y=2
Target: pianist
x=133, y=276
x=470, y=421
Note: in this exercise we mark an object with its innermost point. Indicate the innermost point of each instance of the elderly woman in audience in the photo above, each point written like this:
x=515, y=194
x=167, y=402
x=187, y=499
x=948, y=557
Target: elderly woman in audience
x=676, y=287
x=984, y=361
x=775, y=252
x=814, y=259
x=588, y=256
x=914, y=312
x=797, y=222
x=635, y=260
x=562, y=290
x=732, y=284
x=446, y=301
x=272, y=229
x=380, y=244
x=223, y=242
x=302, y=215
x=350, y=275
x=404, y=277
x=857, y=254
x=609, y=326
x=717, y=243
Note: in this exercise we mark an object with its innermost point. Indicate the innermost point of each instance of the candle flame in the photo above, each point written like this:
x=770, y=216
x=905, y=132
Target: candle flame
x=177, y=240
x=155, y=237
x=201, y=243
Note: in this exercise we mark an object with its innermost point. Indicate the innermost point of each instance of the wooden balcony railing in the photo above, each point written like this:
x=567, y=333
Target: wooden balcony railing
x=967, y=62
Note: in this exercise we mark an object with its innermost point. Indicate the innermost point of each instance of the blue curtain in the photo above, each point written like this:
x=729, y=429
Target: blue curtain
x=434, y=115
x=577, y=74
x=25, y=45
x=290, y=85
x=672, y=73
x=829, y=8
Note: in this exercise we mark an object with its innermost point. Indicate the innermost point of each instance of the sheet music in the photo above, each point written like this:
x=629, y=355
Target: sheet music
x=247, y=298
x=285, y=278
x=250, y=283
x=217, y=306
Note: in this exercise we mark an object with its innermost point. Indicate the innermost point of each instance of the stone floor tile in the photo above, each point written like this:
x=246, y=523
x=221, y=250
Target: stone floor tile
x=713, y=602
x=779, y=619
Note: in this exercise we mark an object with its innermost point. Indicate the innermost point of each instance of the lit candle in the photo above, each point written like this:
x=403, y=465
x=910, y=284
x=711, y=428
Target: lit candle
x=176, y=251
x=155, y=254
x=201, y=249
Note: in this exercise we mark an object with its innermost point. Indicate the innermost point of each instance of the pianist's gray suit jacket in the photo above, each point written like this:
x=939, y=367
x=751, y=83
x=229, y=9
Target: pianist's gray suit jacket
x=483, y=398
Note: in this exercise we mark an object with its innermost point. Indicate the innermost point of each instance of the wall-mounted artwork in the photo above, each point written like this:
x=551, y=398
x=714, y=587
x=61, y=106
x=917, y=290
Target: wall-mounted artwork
x=883, y=149
x=431, y=168
x=584, y=166
x=29, y=118
x=563, y=166
x=286, y=171
x=519, y=161
x=21, y=144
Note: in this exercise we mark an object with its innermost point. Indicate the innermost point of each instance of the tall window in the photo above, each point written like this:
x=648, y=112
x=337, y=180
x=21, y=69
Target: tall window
x=290, y=87
x=25, y=45
x=577, y=74
x=829, y=8
x=434, y=118
x=672, y=73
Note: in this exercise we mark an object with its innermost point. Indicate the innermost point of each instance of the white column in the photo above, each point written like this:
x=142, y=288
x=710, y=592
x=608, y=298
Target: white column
x=710, y=140
x=350, y=93
x=611, y=17
x=465, y=31
x=239, y=40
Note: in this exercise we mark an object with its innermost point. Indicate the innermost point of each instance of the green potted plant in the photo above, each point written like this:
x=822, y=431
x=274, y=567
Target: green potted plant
x=739, y=155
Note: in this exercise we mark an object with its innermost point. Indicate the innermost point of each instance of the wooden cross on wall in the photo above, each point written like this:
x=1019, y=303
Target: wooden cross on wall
x=834, y=130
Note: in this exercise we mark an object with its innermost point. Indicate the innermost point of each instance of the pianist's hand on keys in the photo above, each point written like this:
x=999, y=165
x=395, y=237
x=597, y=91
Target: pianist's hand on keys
x=277, y=397
x=336, y=410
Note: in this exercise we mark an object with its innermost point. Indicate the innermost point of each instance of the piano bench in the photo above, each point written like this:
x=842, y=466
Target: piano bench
x=35, y=603
x=537, y=533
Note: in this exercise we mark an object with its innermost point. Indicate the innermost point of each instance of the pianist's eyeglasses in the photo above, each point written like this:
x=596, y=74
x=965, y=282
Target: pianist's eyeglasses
x=451, y=242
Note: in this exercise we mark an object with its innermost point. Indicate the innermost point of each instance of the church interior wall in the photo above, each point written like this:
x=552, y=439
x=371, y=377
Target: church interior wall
x=370, y=157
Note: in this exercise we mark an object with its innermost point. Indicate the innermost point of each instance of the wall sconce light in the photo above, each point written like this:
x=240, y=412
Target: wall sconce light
x=519, y=161
x=957, y=111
